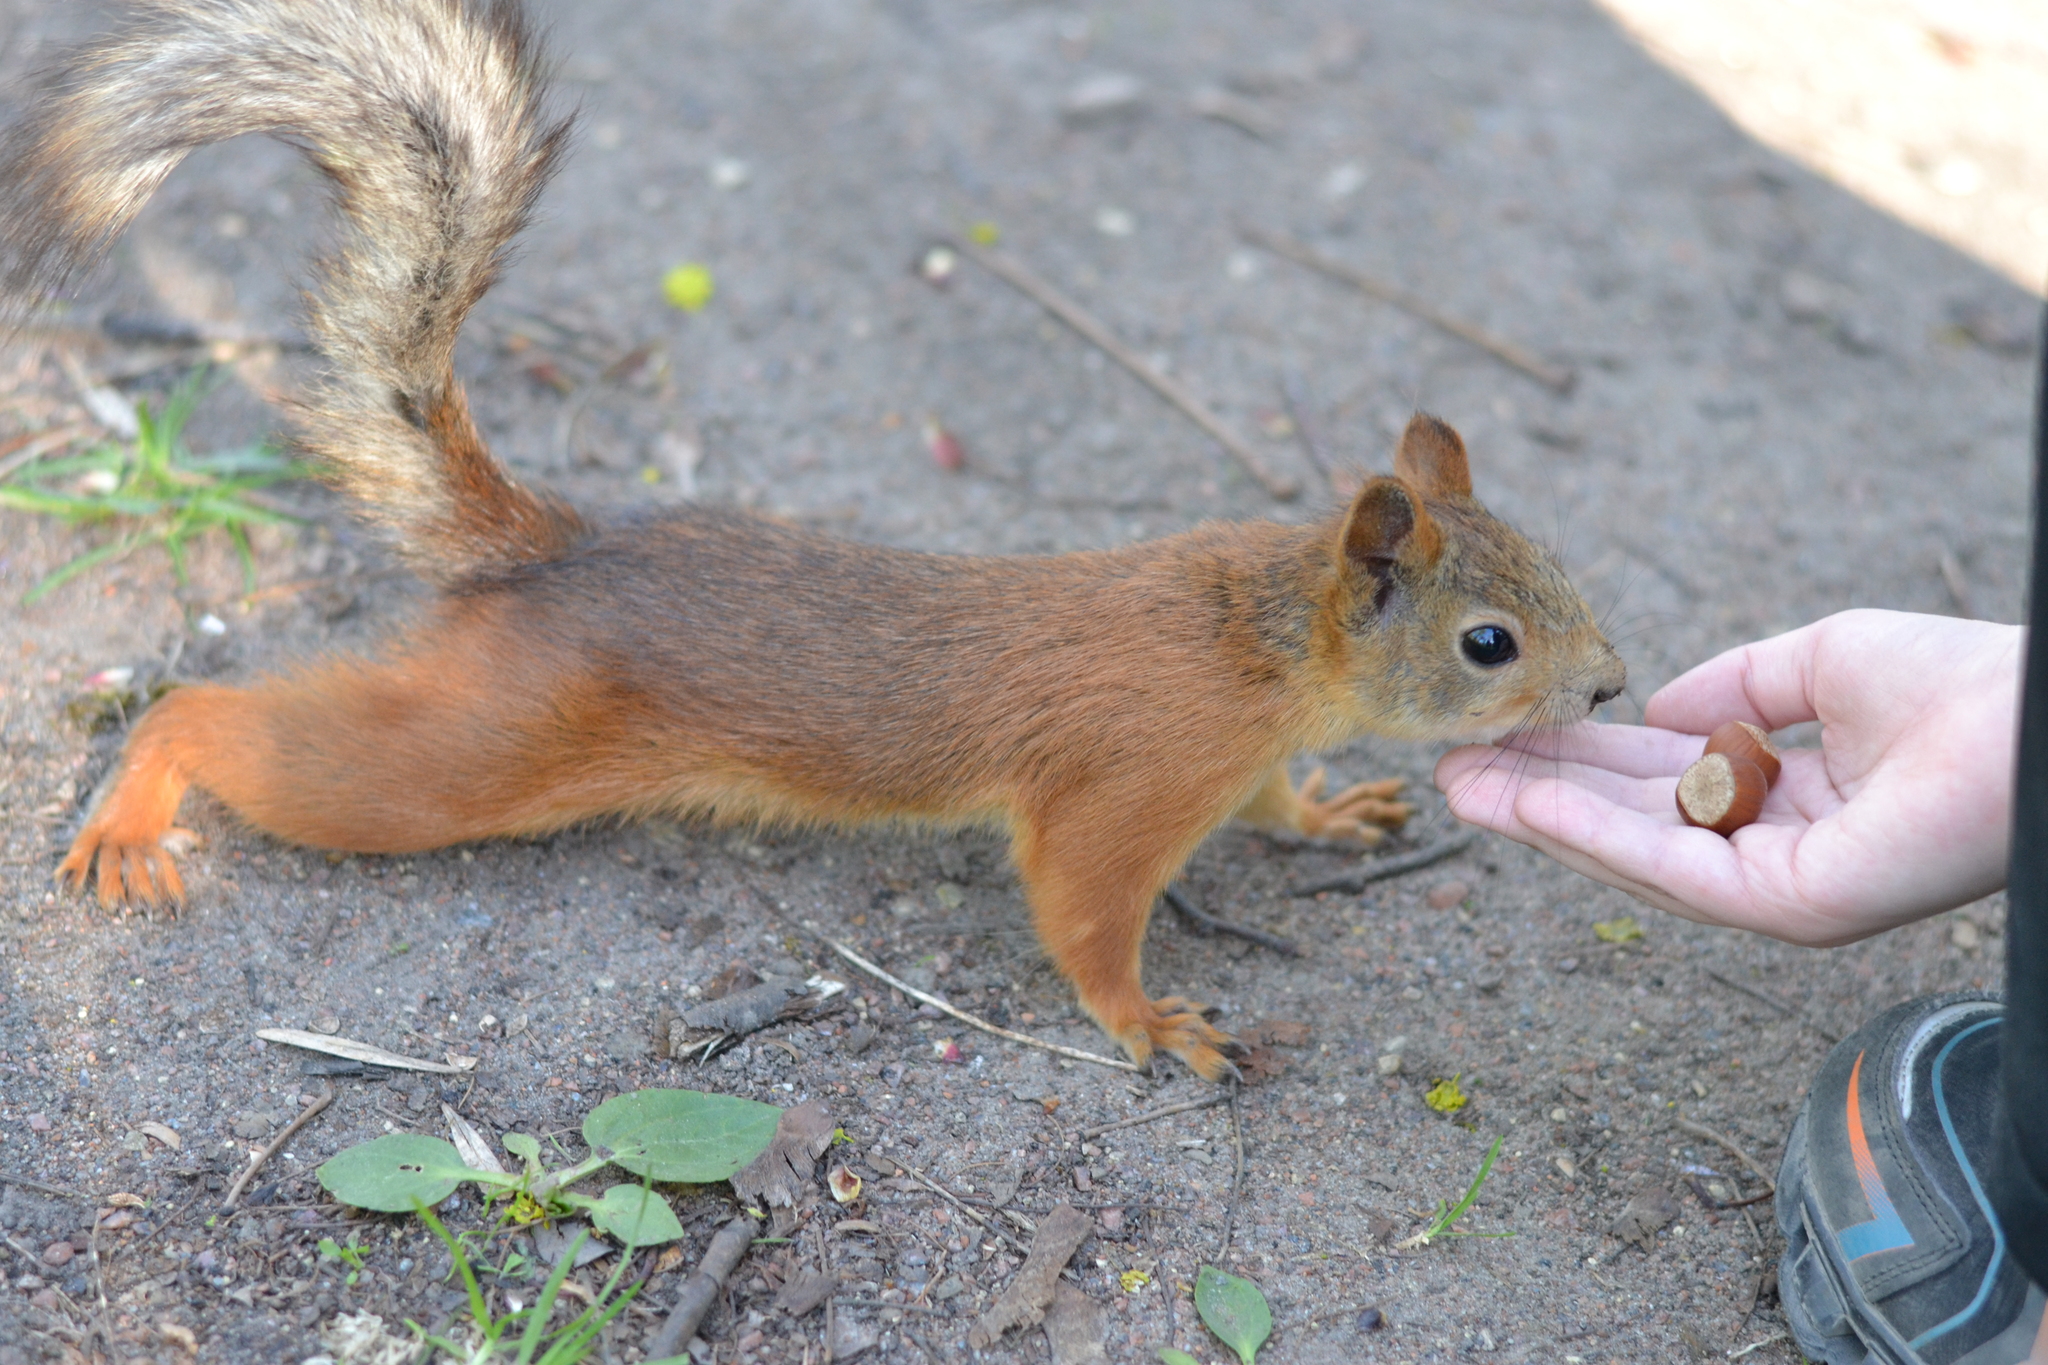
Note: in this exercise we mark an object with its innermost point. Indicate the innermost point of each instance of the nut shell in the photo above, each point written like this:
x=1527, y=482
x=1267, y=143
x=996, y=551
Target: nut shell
x=1740, y=739
x=1722, y=792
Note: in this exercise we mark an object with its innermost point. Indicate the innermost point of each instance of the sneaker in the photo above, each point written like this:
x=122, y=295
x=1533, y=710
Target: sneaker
x=1892, y=1254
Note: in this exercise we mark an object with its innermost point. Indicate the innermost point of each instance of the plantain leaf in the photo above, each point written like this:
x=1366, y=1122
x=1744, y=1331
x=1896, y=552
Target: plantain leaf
x=395, y=1173
x=683, y=1135
x=1235, y=1310
x=636, y=1216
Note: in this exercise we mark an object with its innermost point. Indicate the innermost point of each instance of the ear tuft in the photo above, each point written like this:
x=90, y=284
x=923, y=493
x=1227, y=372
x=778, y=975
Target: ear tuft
x=1432, y=458
x=1386, y=524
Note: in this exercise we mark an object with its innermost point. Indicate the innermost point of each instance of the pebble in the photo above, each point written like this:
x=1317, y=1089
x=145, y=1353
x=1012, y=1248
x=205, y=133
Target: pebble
x=1444, y=895
x=1965, y=935
x=1567, y=965
x=1371, y=1320
x=39, y=1123
x=1389, y=1064
x=58, y=1253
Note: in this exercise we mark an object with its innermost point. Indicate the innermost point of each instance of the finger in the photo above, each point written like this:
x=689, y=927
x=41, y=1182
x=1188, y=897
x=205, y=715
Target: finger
x=1767, y=683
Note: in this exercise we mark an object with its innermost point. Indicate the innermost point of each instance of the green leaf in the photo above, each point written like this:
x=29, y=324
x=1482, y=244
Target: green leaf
x=1620, y=929
x=636, y=1216
x=1169, y=1356
x=681, y=1135
x=1235, y=1310
x=395, y=1172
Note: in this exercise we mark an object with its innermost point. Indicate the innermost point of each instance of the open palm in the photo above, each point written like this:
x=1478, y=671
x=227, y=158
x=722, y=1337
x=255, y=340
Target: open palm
x=1904, y=810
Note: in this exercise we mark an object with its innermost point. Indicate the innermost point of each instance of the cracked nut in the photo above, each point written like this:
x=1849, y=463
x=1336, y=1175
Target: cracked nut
x=1722, y=792
x=1740, y=739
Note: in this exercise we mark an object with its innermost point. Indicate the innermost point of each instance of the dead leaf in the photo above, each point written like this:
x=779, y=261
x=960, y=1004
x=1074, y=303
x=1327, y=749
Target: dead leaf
x=474, y=1146
x=162, y=1132
x=1261, y=1063
x=1074, y=1328
x=124, y=1200
x=363, y=1052
x=1060, y=1234
x=1284, y=1032
x=856, y=1225
x=1645, y=1214
x=804, y=1293
x=777, y=1177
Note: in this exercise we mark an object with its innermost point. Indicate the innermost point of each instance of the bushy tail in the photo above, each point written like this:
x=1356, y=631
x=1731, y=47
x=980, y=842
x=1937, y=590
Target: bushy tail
x=427, y=117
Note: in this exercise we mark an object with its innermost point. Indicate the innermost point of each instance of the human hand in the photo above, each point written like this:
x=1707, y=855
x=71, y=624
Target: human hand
x=1904, y=810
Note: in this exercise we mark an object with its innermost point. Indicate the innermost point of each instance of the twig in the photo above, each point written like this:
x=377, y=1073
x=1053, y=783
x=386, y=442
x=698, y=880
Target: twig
x=42, y=1187
x=940, y=1190
x=1780, y=1006
x=905, y=1307
x=1734, y=1148
x=1758, y=1345
x=1709, y=1201
x=964, y=1017
x=1358, y=878
x=1236, y=1175
x=277, y=1143
x=1019, y=277
x=701, y=1290
x=1206, y=923
x=1558, y=377
x=1208, y=1102
x=1294, y=393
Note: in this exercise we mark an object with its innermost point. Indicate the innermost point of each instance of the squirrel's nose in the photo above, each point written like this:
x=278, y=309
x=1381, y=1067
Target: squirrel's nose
x=1605, y=695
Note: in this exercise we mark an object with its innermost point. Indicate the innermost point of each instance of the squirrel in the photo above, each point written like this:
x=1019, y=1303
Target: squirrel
x=1106, y=709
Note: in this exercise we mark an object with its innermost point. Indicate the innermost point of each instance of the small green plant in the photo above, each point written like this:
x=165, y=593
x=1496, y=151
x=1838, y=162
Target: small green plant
x=350, y=1255
x=1445, y=1097
x=1171, y=1355
x=1441, y=1225
x=666, y=1135
x=535, y=1344
x=160, y=492
x=1235, y=1310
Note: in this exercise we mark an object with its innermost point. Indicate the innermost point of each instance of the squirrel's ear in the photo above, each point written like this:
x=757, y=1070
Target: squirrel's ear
x=1386, y=525
x=1432, y=458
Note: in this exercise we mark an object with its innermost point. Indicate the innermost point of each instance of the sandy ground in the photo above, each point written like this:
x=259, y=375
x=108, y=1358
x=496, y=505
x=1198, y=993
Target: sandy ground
x=1788, y=402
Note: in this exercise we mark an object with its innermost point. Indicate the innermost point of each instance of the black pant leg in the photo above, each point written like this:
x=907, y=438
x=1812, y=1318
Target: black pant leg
x=2019, y=1173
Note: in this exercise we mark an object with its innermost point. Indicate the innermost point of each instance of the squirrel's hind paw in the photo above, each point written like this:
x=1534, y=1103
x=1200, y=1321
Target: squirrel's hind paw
x=124, y=870
x=1361, y=811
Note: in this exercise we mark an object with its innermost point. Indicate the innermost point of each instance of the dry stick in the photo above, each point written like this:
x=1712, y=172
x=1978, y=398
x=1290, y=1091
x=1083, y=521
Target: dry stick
x=1780, y=1006
x=1701, y=1130
x=936, y=1188
x=28, y=449
x=1294, y=392
x=1206, y=923
x=1380, y=869
x=964, y=1017
x=10, y=1178
x=1090, y=1134
x=700, y=1291
x=277, y=1143
x=1019, y=277
x=1758, y=1345
x=1558, y=377
x=1236, y=1175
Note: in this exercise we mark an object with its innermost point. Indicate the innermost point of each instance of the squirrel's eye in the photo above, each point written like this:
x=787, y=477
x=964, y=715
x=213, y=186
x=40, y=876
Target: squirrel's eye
x=1488, y=646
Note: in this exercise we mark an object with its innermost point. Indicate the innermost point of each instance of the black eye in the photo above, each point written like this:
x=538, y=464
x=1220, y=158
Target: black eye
x=1488, y=646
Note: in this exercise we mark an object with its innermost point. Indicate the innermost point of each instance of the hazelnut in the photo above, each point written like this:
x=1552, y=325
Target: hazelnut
x=1740, y=739
x=1722, y=792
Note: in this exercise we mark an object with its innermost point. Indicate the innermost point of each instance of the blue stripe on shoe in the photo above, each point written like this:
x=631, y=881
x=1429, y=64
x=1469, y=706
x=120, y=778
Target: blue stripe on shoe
x=1884, y=1230
x=1955, y=1146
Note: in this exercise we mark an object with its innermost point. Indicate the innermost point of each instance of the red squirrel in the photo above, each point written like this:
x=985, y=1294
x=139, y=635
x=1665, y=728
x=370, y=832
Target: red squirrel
x=1106, y=709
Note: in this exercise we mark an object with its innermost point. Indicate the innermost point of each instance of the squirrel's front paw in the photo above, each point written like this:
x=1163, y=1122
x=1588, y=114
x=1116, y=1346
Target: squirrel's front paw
x=1176, y=1026
x=1362, y=811
x=127, y=865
